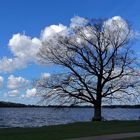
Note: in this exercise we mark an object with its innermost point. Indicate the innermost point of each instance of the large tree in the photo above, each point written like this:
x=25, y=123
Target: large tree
x=98, y=64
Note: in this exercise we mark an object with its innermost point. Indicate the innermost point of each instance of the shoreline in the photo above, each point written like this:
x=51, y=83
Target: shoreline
x=113, y=106
x=72, y=130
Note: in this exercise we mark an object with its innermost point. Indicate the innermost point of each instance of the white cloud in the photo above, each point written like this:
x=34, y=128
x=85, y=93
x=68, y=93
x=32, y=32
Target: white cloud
x=17, y=82
x=45, y=75
x=10, y=64
x=12, y=93
x=30, y=93
x=52, y=30
x=24, y=50
x=1, y=81
x=116, y=28
x=77, y=21
x=116, y=22
x=24, y=47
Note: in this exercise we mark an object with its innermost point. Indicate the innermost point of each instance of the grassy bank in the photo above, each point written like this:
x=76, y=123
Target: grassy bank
x=133, y=138
x=60, y=132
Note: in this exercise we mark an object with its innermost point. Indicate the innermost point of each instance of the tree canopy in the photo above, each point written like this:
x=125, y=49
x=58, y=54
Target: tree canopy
x=99, y=63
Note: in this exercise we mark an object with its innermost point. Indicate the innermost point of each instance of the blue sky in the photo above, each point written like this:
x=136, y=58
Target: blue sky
x=30, y=17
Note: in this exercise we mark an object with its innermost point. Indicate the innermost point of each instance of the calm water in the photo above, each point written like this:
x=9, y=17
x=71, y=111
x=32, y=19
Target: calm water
x=35, y=117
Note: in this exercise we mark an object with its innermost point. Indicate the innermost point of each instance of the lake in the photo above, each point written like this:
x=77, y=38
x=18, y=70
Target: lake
x=36, y=117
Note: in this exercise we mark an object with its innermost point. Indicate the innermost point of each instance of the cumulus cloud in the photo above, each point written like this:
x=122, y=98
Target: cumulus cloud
x=77, y=21
x=116, y=26
x=24, y=48
x=1, y=81
x=52, y=30
x=45, y=75
x=115, y=23
x=17, y=82
x=30, y=93
x=12, y=93
x=10, y=64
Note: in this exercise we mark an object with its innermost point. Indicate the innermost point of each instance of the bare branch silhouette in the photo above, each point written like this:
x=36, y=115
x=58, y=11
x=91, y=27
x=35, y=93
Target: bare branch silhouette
x=99, y=64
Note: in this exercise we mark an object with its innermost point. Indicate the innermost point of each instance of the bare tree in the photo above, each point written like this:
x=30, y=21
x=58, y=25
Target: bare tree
x=98, y=65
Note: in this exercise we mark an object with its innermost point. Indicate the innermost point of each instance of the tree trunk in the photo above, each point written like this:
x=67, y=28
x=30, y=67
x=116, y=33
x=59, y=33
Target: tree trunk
x=97, y=111
x=98, y=101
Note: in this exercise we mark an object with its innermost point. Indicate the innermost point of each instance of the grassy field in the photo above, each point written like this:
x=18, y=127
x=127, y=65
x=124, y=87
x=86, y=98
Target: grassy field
x=133, y=138
x=61, y=132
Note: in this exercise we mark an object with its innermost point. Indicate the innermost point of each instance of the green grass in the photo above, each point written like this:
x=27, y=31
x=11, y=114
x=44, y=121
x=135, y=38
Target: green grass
x=61, y=132
x=132, y=138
